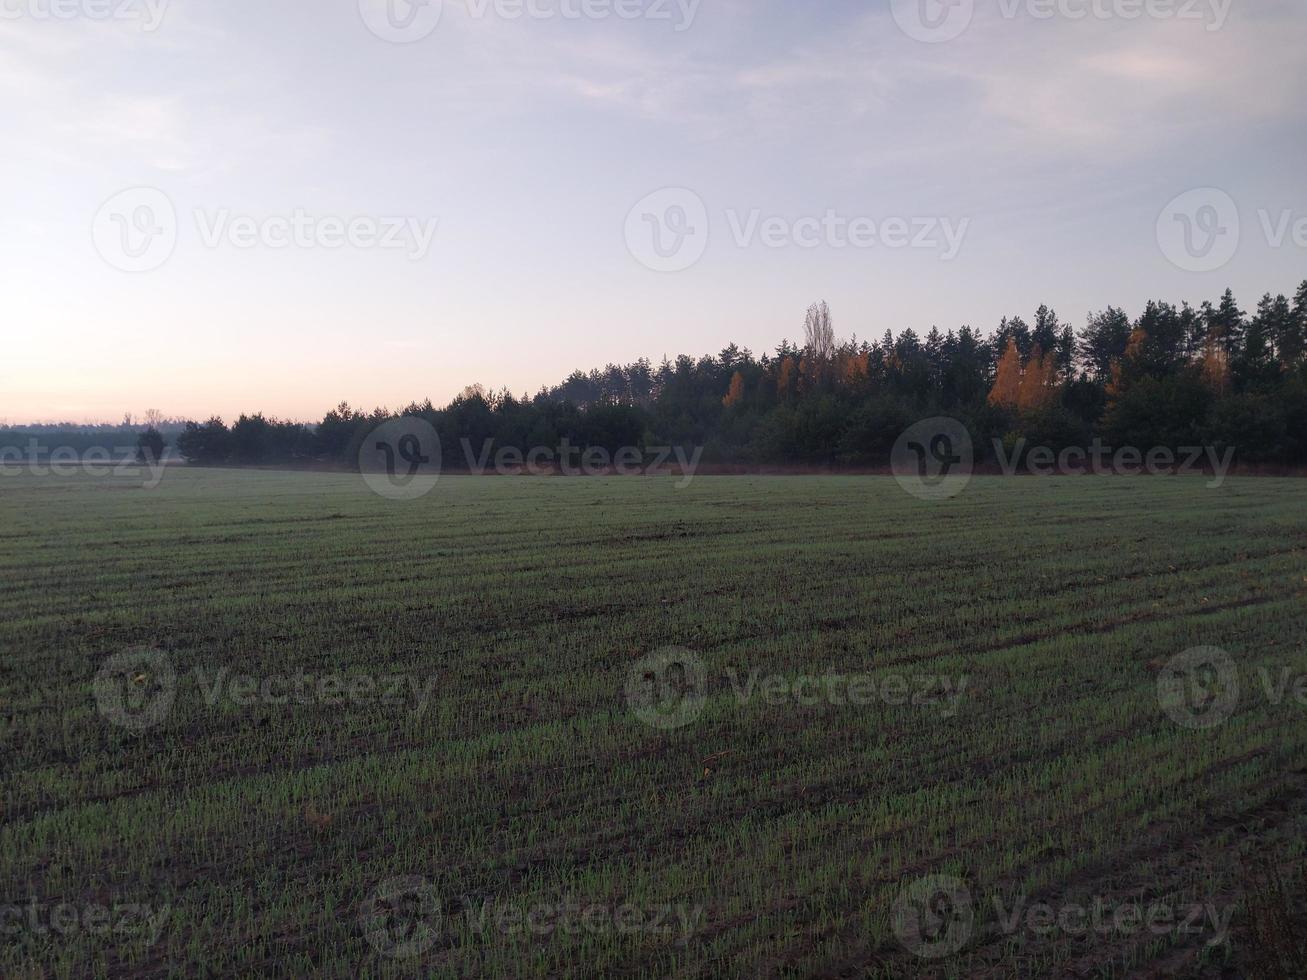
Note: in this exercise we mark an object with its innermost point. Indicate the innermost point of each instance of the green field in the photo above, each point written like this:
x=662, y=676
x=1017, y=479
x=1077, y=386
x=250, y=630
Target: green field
x=466, y=719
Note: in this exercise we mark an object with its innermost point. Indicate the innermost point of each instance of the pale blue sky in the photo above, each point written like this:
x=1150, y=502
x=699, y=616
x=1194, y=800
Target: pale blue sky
x=1058, y=141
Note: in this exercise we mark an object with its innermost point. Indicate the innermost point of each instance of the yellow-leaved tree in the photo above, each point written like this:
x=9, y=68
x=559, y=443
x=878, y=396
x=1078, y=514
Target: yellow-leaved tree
x=736, y=393
x=1038, y=381
x=1007, y=383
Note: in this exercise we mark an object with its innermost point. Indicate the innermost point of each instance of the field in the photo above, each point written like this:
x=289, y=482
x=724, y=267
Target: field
x=273, y=724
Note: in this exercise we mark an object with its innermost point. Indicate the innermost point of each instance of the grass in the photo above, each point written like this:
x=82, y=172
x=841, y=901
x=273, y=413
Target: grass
x=772, y=836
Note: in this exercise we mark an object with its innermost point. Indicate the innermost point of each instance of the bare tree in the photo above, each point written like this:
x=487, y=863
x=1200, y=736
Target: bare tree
x=153, y=418
x=819, y=337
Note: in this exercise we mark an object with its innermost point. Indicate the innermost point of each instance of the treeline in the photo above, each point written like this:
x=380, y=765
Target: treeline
x=1172, y=376
x=40, y=439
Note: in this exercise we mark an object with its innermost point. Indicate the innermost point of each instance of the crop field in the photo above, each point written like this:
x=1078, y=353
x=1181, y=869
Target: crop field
x=272, y=724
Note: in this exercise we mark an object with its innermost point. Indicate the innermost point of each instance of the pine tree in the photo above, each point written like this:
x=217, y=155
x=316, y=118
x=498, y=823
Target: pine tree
x=1226, y=325
x=1127, y=368
x=1047, y=330
x=1216, y=367
x=1066, y=351
x=1255, y=363
x=1292, y=341
x=1167, y=338
x=1195, y=332
x=1104, y=340
x=1014, y=329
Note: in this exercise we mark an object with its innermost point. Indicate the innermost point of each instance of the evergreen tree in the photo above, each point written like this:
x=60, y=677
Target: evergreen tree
x=1017, y=331
x=1195, y=332
x=1103, y=341
x=1256, y=366
x=1291, y=343
x=1225, y=325
x=150, y=446
x=1047, y=331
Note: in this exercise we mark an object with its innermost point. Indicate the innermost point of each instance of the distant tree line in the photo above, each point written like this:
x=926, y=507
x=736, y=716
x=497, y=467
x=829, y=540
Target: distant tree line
x=149, y=433
x=1173, y=377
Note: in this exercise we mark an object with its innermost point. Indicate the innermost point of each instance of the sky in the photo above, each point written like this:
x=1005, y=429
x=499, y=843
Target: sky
x=240, y=206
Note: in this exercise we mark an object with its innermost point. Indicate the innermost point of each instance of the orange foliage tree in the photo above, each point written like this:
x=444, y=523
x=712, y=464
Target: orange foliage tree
x=736, y=393
x=787, y=381
x=1038, y=381
x=1007, y=384
x=853, y=367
